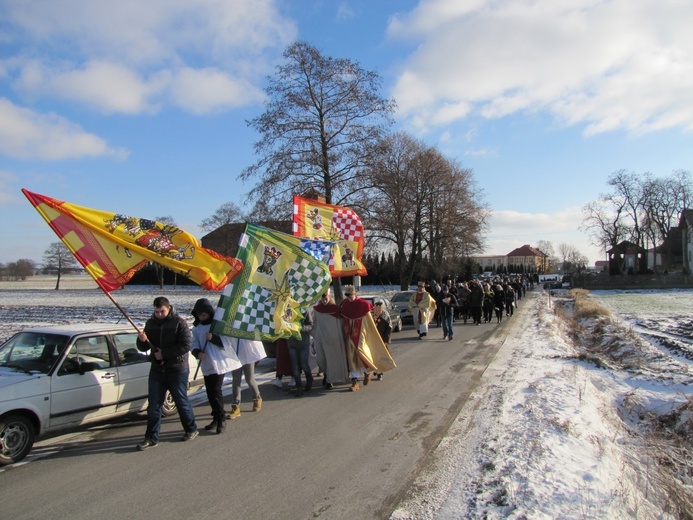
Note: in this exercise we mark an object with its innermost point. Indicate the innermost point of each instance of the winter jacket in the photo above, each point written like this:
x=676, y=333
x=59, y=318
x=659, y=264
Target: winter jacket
x=172, y=336
x=384, y=325
x=306, y=327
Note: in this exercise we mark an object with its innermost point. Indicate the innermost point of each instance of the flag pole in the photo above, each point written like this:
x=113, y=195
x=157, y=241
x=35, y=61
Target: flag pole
x=110, y=297
x=139, y=331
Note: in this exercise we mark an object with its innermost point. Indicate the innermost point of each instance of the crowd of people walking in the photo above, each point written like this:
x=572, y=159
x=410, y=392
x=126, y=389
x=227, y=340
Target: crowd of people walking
x=481, y=300
x=348, y=343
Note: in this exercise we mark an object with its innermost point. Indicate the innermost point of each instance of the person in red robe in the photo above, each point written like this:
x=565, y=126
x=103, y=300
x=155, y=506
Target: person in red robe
x=364, y=346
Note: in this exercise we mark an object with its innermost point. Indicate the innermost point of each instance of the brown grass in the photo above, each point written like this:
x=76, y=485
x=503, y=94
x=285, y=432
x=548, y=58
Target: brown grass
x=585, y=307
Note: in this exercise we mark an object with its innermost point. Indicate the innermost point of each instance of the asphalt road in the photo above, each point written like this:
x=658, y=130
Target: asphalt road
x=331, y=454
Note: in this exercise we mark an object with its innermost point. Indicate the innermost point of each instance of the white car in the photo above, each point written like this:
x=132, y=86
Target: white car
x=54, y=378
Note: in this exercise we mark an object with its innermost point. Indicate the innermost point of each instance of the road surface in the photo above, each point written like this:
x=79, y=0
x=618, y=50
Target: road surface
x=330, y=454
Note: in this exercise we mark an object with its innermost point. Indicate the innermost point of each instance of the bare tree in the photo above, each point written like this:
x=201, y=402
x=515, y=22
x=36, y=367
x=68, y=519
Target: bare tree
x=629, y=195
x=546, y=247
x=663, y=201
x=605, y=224
x=19, y=270
x=395, y=216
x=227, y=213
x=641, y=208
x=424, y=205
x=567, y=252
x=322, y=118
x=57, y=257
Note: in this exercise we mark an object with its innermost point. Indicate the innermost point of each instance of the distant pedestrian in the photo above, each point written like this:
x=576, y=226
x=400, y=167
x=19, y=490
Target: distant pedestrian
x=299, y=351
x=422, y=306
x=383, y=323
x=446, y=307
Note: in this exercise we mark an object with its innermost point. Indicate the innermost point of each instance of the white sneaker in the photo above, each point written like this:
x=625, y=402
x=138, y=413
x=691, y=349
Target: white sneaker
x=292, y=383
x=277, y=382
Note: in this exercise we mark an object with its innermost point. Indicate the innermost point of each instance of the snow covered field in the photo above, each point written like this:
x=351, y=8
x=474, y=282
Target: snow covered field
x=575, y=418
x=34, y=302
x=586, y=419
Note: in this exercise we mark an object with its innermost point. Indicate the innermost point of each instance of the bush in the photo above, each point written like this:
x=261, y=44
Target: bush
x=584, y=306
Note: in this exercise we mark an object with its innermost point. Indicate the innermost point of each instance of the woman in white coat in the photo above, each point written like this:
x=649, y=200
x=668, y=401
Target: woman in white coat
x=215, y=359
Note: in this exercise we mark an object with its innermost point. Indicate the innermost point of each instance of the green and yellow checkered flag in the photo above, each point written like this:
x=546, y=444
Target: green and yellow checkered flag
x=282, y=274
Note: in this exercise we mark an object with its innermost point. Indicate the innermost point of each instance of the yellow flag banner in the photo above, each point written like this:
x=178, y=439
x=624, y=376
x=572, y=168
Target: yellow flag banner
x=113, y=247
x=318, y=220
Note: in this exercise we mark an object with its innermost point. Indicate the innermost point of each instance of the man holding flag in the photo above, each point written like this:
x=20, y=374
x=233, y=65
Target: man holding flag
x=168, y=337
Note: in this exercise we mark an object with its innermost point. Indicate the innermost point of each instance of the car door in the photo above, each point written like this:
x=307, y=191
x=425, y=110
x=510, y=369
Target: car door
x=133, y=372
x=84, y=388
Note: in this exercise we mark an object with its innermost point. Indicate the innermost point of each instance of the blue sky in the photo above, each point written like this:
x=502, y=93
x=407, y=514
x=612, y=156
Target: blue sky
x=140, y=107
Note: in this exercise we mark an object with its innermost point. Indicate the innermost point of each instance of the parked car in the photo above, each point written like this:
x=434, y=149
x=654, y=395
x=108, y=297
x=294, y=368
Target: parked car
x=400, y=300
x=54, y=378
x=395, y=317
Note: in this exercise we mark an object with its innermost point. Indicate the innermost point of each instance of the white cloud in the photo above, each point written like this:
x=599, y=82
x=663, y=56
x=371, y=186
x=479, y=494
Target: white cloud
x=511, y=229
x=106, y=87
x=205, y=90
x=607, y=65
x=345, y=12
x=27, y=134
x=128, y=56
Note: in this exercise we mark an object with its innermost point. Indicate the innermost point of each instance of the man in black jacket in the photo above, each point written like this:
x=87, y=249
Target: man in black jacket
x=168, y=337
x=446, y=306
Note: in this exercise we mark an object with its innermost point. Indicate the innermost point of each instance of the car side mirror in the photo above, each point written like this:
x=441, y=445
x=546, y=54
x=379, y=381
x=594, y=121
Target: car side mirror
x=86, y=367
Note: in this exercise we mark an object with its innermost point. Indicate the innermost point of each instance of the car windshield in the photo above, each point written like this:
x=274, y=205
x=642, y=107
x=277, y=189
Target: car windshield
x=32, y=352
x=401, y=297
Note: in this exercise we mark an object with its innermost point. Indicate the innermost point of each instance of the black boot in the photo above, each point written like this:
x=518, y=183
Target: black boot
x=212, y=426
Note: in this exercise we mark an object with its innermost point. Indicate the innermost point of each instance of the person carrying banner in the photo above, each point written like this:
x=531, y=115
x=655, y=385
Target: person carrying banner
x=364, y=346
x=329, y=341
x=299, y=352
x=168, y=337
x=216, y=359
x=422, y=306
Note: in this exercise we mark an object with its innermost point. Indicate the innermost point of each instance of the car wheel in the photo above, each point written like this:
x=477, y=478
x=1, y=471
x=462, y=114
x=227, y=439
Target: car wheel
x=398, y=326
x=169, y=406
x=16, y=438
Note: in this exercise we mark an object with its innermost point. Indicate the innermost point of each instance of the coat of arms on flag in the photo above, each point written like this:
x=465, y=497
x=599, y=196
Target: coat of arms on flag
x=282, y=274
x=341, y=225
x=113, y=247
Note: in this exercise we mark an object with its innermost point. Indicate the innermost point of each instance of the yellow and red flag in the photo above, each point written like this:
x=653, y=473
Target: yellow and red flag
x=318, y=220
x=113, y=247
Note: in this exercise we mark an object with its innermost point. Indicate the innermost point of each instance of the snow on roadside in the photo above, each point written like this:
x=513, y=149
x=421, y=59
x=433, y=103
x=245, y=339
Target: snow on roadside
x=542, y=438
